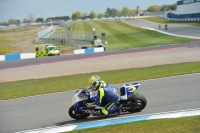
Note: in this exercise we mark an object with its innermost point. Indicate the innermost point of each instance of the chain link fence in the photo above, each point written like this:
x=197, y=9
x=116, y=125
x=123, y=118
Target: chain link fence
x=65, y=36
x=45, y=33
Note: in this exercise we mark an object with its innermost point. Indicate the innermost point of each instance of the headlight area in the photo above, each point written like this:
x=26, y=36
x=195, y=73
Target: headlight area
x=53, y=53
x=73, y=100
x=80, y=103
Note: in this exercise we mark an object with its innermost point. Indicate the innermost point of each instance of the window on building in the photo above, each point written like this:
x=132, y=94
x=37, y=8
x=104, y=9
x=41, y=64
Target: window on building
x=36, y=49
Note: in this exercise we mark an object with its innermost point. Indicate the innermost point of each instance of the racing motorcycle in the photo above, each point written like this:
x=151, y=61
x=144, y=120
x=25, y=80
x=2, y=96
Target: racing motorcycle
x=130, y=101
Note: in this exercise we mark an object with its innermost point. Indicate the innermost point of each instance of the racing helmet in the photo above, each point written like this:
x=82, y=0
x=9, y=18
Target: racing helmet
x=94, y=82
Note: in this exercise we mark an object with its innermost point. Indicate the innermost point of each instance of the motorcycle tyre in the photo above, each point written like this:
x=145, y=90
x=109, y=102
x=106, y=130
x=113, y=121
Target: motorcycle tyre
x=139, y=97
x=77, y=116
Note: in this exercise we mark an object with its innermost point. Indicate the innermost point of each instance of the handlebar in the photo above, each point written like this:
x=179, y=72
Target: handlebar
x=86, y=93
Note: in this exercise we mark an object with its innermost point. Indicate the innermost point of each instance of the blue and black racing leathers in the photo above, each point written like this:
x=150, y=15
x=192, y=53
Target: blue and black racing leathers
x=109, y=93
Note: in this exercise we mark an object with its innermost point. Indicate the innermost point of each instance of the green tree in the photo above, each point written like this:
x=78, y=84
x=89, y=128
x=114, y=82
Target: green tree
x=165, y=8
x=126, y=11
x=84, y=15
x=114, y=12
x=76, y=15
x=169, y=7
x=100, y=15
x=111, y=12
x=92, y=14
x=12, y=21
x=108, y=12
x=66, y=18
x=26, y=20
x=154, y=8
x=3, y=23
x=39, y=20
x=174, y=7
x=18, y=21
x=134, y=11
x=57, y=18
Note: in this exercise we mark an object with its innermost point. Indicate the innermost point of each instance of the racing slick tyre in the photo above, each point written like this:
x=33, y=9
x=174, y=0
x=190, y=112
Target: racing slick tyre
x=139, y=102
x=78, y=115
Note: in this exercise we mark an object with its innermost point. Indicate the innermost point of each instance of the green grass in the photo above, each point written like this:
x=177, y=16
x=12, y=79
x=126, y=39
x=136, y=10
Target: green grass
x=7, y=42
x=118, y=35
x=5, y=46
x=17, y=29
x=58, y=84
x=164, y=21
x=122, y=36
x=179, y=125
x=8, y=37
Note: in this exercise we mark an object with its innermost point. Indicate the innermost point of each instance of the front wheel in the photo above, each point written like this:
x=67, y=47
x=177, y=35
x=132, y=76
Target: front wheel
x=139, y=102
x=76, y=114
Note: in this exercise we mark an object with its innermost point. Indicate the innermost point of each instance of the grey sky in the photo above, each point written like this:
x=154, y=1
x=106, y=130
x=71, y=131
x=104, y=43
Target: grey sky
x=20, y=9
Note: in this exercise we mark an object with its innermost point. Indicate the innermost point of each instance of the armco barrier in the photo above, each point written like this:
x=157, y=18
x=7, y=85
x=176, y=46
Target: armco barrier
x=12, y=57
x=89, y=50
x=27, y=55
x=2, y=57
x=79, y=51
x=9, y=57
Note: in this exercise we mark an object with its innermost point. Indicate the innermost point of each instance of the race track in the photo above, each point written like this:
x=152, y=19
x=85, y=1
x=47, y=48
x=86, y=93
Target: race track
x=179, y=29
x=86, y=63
x=165, y=94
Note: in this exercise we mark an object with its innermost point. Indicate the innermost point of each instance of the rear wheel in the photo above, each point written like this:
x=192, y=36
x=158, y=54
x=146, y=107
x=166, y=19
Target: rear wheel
x=139, y=102
x=76, y=114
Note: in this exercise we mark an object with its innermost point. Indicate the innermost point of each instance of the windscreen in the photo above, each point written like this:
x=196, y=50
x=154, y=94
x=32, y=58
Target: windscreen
x=82, y=96
x=51, y=48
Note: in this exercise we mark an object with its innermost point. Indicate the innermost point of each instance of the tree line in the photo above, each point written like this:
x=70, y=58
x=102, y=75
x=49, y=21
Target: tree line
x=157, y=8
x=108, y=13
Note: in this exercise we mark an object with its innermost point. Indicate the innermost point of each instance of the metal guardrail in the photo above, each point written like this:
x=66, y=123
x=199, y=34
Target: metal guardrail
x=66, y=36
x=65, y=41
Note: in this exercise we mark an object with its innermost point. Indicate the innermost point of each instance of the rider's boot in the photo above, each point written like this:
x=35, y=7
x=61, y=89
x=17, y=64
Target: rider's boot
x=117, y=109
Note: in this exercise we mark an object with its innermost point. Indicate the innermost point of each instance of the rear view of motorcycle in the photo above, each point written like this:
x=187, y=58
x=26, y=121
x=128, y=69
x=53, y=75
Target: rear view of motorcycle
x=130, y=100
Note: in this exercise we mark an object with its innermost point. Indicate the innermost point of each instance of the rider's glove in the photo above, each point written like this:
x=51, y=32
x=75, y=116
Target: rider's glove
x=89, y=105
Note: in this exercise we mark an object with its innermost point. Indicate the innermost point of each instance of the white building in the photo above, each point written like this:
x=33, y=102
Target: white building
x=188, y=9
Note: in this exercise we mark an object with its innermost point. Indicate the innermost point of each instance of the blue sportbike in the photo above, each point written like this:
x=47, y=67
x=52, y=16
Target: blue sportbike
x=130, y=100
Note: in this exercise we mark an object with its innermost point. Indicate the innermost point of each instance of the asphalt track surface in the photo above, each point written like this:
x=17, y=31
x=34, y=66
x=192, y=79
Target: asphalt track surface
x=184, y=30
x=165, y=94
x=87, y=63
x=28, y=62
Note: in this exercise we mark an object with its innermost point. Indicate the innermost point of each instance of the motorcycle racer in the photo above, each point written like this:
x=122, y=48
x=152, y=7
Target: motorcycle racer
x=105, y=92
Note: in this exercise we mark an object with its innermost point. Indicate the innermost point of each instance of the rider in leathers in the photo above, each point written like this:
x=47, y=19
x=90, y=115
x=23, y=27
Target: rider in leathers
x=105, y=92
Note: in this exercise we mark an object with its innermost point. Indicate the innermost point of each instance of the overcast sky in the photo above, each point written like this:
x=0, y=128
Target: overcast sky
x=20, y=9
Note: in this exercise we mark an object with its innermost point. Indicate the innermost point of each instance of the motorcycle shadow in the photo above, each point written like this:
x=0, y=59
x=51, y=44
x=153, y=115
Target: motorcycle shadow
x=94, y=118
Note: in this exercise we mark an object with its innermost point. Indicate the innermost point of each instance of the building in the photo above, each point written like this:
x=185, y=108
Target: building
x=186, y=9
